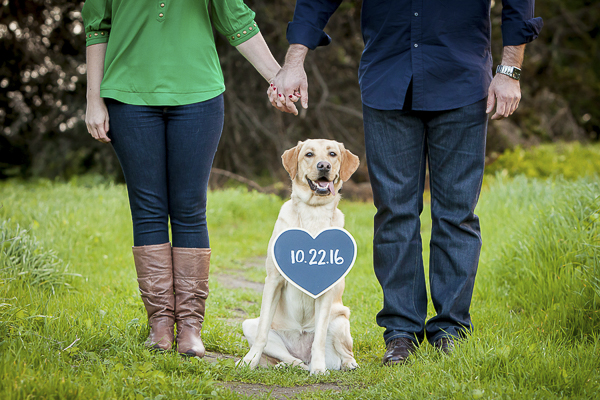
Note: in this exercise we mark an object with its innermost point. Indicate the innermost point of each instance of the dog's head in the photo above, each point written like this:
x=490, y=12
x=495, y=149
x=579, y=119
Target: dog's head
x=318, y=167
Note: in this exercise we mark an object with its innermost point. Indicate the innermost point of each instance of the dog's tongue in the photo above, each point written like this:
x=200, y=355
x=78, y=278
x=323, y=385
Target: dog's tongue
x=330, y=185
x=326, y=185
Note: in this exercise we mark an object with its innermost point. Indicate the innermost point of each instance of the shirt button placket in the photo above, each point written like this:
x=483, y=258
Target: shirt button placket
x=416, y=37
x=161, y=7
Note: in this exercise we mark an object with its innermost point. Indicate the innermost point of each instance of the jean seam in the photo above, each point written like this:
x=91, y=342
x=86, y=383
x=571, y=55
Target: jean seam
x=431, y=248
x=419, y=253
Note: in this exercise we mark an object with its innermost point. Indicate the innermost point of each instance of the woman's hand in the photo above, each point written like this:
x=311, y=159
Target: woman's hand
x=279, y=101
x=96, y=119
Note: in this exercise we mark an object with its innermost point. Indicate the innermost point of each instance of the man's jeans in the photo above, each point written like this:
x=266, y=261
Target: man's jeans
x=398, y=145
x=166, y=154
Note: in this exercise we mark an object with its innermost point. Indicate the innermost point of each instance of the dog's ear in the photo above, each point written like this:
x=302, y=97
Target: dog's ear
x=290, y=160
x=350, y=164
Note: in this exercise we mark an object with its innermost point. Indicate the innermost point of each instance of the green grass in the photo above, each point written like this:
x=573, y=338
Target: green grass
x=535, y=305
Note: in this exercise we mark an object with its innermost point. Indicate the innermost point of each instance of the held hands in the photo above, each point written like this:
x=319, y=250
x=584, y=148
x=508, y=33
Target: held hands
x=289, y=86
x=96, y=119
x=505, y=92
x=290, y=83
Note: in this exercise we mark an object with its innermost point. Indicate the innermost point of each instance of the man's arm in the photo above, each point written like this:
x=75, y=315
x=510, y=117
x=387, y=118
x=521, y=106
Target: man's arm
x=518, y=28
x=290, y=82
x=504, y=89
x=303, y=33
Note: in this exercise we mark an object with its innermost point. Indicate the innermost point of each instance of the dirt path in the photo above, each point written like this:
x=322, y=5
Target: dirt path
x=234, y=279
x=278, y=392
x=257, y=389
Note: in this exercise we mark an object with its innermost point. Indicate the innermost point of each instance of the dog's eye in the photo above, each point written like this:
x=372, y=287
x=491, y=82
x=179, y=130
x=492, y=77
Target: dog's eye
x=332, y=154
x=309, y=154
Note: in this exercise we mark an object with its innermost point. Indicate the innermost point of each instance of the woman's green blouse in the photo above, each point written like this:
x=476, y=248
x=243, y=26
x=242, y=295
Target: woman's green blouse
x=163, y=52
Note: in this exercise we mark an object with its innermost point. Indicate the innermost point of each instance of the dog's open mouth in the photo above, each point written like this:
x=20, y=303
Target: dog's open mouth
x=321, y=186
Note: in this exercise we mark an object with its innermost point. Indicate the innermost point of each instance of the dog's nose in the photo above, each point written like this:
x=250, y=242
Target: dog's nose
x=324, y=166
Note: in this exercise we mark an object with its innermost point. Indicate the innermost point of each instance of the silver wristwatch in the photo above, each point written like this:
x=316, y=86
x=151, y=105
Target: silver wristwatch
x=513, y=72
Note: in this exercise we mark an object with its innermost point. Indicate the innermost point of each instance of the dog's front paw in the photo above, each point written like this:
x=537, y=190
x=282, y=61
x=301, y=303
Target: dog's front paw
x=295, y=364
x=319, y=371
x=248, y=361
x=350, y=365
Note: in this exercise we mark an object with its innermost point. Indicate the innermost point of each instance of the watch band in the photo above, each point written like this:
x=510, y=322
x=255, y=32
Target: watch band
x=513, y=72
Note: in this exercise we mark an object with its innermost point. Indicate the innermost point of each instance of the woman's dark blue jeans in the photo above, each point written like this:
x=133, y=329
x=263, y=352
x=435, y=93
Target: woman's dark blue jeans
x=166, y=154
x=398, y=144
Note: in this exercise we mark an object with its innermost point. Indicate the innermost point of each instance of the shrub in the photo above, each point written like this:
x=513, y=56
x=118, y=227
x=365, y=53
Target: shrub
x=570, y=160
x=551, y=269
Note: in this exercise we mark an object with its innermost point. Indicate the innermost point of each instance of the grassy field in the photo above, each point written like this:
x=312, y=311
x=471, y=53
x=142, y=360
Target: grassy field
x=72, y=323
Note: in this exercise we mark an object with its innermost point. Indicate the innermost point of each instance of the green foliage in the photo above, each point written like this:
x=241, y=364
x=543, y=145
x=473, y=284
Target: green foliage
x=42, y=93
x=569, y=160
x=42, y=89
x=551, y=268
x=560, y=85
x=23, y=258
x=88, y=343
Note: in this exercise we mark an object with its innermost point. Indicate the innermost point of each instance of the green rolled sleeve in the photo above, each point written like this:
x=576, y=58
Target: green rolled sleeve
x=96, y=16
x=234, y=20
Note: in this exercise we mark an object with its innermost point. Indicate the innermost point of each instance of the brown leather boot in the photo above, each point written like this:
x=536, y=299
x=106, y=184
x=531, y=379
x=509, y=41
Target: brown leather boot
x=155, y=278
x=190, y=280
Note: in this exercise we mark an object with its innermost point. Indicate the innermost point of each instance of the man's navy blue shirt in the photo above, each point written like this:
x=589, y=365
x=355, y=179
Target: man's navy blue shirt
x=443, y=46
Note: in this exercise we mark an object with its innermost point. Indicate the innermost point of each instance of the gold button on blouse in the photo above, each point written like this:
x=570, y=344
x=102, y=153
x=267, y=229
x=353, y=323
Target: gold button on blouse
x=162, y=4
x=238, y=35
x=250, y=28
x=244, y=32
x=96, y=34
x=161, y=15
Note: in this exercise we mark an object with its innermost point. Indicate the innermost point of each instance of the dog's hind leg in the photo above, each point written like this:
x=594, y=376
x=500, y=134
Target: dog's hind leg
x=333, y=360
x=275, y=346
x=341, y=340
x=250, y=326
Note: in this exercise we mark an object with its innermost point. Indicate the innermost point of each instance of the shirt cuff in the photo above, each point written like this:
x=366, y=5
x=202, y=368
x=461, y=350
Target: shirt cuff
x=522, y=32
x=243, y=34
x=309, y=36
x=95, y=37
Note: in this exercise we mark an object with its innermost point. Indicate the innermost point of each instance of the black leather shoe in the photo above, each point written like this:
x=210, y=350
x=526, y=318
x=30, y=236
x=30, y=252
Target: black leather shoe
x=445, y=344
x=398, y=350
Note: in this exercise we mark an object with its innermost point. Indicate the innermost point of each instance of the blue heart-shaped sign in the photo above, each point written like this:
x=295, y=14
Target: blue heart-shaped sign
x=314, y=265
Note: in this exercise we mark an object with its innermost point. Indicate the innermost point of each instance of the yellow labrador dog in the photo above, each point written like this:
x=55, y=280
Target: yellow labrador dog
x=294, y=328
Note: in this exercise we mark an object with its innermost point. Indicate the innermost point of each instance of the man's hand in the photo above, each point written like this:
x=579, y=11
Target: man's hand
x=505, y=92
x=290, y=83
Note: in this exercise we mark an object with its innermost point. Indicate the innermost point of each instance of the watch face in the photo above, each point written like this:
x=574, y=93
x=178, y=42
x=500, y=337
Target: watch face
x=516, y=73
